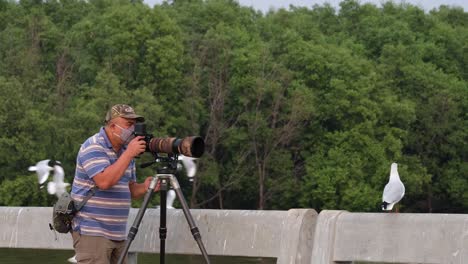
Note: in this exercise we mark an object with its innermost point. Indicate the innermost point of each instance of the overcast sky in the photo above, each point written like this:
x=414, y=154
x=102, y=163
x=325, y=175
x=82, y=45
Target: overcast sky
x=265, y=5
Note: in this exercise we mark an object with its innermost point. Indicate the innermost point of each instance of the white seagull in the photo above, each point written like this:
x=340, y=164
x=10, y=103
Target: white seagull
x=42, y=170
x=191, y=169
x=170, y=197
x=58, y=185
x=72, y=259
x=394, y=190
x=189, y=165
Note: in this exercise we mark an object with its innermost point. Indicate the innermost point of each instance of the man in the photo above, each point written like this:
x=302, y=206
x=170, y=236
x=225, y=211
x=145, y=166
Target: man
x=105, y=160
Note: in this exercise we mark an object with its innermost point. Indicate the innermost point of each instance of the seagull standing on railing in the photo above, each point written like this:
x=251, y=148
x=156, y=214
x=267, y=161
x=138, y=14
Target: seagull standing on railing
x=394, y=190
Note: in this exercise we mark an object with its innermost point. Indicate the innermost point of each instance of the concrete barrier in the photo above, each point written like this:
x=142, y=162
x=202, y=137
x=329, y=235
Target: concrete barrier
x=402, y=238
x=324, y=240
x=285, y=235
x=293, y=237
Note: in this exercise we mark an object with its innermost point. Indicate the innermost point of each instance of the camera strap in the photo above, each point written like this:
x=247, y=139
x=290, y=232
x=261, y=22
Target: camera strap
x=83, y=202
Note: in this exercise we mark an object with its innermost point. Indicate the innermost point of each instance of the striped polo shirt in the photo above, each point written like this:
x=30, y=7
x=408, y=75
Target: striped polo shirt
x=106, y=212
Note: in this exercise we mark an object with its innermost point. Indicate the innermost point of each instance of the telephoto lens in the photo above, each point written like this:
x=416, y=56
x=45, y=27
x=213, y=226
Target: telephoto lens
x=193, y=146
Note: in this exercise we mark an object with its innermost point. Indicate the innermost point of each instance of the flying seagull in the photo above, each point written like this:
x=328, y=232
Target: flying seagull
x=57, y=186
x=42, y=169
x=189, y=165
x=394, y=190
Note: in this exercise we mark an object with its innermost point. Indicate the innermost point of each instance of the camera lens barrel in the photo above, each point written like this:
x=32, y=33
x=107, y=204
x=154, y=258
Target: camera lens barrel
x=193, y=146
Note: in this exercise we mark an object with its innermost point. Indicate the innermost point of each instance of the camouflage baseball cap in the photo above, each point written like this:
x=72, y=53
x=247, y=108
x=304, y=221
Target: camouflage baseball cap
x=123, y=110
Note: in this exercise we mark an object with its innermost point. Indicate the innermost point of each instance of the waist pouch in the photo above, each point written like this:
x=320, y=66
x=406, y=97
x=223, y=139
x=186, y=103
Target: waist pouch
x=65, y=209
x=63, y=213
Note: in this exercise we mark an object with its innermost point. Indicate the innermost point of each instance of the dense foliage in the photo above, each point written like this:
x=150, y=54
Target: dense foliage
x=305, y=107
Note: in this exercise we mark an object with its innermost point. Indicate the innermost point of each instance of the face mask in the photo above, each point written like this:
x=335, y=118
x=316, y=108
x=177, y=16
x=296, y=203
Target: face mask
x=126, y=135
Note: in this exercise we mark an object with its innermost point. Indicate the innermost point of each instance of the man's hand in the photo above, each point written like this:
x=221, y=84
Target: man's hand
x=136, y=147
x=138, y=190
x=147, y=184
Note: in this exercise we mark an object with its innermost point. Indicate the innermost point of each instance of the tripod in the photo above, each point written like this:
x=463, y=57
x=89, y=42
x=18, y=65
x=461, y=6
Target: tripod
x=165, y=177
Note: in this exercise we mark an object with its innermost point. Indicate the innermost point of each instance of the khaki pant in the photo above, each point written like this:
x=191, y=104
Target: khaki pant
x=97, y=250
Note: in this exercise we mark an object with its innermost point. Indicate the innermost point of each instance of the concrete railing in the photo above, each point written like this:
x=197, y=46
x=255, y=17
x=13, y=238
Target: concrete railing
x=343, y=237
x=293, y=237
x=402, y=238
x=285, y=235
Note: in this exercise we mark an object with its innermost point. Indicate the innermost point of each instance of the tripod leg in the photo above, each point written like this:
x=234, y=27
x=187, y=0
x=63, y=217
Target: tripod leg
x=162, y=221
x=188, y=216
x=134, y=229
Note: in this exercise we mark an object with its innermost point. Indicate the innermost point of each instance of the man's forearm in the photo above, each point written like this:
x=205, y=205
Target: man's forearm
x=112, y=174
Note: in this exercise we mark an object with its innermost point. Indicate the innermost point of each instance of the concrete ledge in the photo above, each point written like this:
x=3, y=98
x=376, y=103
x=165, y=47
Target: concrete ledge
x=324, y=239
x=286, y=235
x=297, y=236
x=402, y=238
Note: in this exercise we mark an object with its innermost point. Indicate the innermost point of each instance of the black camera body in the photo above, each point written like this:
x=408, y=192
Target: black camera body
x=140, y=130
x=193, y=146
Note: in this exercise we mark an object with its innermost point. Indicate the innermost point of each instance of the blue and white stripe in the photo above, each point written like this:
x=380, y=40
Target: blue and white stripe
x=106, y=212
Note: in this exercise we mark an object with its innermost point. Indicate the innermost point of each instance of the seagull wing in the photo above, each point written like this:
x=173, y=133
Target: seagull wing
x=51, y=188
x=393, y=192
x=59, y=183
x=59, y=174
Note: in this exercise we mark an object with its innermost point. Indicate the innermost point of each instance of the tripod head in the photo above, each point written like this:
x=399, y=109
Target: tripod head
x=168, y=165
